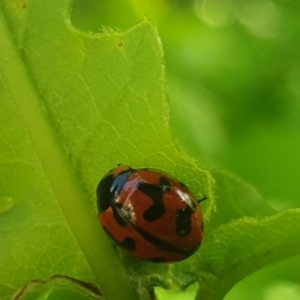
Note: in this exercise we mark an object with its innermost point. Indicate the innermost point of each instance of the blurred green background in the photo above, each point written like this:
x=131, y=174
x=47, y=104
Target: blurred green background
x=233, y=75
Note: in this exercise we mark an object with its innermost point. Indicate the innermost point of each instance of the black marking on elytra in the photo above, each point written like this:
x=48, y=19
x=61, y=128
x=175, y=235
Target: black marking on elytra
x=183, y=221
x=125, y=212
x=128, y=244
x=161, y=244
x=155, y=193
x=164, y=184
x=117, y=216
x=109, y=187
x=157, y=259
x=104, y=196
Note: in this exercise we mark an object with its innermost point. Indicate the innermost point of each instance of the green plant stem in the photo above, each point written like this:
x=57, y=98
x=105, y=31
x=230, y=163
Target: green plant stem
x=109, y=272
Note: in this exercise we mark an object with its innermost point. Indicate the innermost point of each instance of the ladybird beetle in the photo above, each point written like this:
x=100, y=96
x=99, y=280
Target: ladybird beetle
x=149, y=214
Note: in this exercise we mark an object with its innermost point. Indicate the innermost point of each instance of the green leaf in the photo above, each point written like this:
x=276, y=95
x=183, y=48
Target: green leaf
x=243, y=246
x=72, y=105
x=235, y=199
